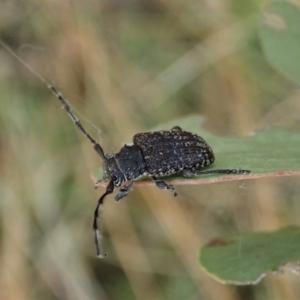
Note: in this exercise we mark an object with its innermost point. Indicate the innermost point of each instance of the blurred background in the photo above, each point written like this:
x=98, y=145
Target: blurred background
x=125, y=67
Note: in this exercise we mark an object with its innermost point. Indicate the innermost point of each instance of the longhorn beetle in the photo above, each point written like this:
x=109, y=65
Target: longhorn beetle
x=154, y=154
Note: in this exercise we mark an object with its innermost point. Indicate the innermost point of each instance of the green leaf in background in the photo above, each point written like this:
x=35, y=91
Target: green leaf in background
x=269, y=153
x=280, y=38
x=246, y=258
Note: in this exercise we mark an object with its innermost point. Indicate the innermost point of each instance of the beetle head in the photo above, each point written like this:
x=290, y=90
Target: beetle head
x=112, y=170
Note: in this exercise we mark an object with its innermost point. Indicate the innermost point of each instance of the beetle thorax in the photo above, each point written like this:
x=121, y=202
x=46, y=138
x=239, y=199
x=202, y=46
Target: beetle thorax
x=126, y=165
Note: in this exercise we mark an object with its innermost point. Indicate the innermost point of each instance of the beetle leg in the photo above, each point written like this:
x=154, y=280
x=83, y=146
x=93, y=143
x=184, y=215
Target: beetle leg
x=176, y=128
x=124, y=191
x=109, y=190
x=100, y=180
x=225, y=171
x=162, y=185
x=191, y=173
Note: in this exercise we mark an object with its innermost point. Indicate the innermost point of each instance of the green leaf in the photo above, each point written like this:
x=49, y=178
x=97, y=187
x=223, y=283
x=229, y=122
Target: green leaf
x=269, y=153
x=246, y=258
x=280, y=38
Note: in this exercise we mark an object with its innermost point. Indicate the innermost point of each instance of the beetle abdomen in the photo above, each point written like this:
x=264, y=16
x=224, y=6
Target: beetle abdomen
x=170, y=152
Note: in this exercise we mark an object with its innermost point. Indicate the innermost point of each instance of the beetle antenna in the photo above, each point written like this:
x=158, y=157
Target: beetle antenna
x=109, y=190
x=97, y=147
x=59, y=96
x=68, y=109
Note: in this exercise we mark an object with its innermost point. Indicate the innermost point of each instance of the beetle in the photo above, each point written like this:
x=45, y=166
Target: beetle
x=154, y=154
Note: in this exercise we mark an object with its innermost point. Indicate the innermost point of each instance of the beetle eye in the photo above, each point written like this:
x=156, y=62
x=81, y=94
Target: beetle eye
x=115, y=178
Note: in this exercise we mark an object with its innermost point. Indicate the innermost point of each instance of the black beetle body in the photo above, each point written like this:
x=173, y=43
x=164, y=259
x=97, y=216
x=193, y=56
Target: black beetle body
x=154, y=154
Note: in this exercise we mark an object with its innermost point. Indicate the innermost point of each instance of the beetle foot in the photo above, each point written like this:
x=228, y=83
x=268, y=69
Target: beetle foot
x=239, y=171
x=97, y=183
x=164, y=186
x=124, y=191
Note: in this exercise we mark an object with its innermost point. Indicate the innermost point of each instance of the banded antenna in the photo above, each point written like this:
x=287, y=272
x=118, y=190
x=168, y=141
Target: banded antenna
x=97, y=147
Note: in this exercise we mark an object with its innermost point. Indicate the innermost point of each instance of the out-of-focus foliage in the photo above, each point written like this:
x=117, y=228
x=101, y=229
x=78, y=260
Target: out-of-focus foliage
x=127, y=66
x=246, y=259
x=280, y=38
